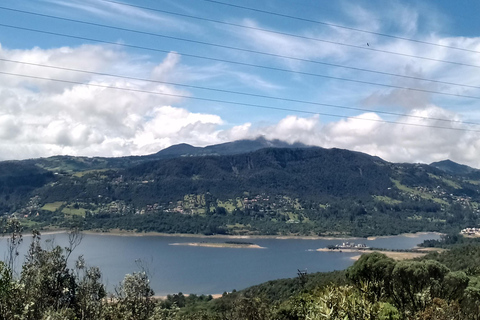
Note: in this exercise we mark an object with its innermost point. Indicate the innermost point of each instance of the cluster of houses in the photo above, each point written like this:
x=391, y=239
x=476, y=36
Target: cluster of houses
x=441, y=194
x=351, y=245
x=249, y=203
x=471, y=231
x=263, y=203
x=31, y=208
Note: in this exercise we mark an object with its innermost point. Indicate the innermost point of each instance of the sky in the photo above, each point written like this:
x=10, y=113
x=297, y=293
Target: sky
x=395, y=79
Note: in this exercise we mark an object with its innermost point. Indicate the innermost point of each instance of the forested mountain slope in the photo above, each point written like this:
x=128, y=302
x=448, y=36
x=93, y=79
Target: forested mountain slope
x=308, y=173
x=268, y=191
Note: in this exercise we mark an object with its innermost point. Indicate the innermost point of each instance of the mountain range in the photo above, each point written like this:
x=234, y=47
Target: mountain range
x=242, y=187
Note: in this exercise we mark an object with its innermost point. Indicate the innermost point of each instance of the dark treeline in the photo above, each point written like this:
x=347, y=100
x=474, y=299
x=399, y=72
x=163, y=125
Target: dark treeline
x=450, y=240
x=331, y=221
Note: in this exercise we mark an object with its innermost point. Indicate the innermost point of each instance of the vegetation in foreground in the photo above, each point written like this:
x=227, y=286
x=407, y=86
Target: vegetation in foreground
x=375, y=287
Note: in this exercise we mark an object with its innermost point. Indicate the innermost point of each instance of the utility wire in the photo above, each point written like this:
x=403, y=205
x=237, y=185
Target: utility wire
x=294, y=35
x=232, y=102
x=339, y=26
x=234, y=92
x=241, y=63
x=239, y=49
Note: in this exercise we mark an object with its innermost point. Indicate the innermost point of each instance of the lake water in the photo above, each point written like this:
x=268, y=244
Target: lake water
x=206, y=270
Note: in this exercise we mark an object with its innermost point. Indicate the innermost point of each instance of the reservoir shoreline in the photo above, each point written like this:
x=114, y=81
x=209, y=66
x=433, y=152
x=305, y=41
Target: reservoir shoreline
x=244, y=237
x=207, y=270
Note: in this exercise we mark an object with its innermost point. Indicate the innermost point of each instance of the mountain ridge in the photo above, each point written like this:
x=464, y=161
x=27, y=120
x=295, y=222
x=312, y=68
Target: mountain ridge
x=83, y=163
x=70, y=164
x=227, y=148
x=275, y=190
x=453, y=167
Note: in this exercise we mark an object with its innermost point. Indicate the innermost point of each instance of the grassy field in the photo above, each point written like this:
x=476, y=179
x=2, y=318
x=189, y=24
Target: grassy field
x=82, y=173
x=448, y=182
x=73, y=211
x=291, y=215
x=423, y=195
x=28, y=224
x=53, y=206
x=474, y=182
x=386, y=200
x=229, y=205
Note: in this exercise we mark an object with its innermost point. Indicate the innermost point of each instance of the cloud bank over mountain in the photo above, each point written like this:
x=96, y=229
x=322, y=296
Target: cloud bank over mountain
x=78, y=113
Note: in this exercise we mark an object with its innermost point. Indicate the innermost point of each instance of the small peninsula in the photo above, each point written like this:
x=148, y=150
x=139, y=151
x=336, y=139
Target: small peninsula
x=227, y=244
x=348, y=247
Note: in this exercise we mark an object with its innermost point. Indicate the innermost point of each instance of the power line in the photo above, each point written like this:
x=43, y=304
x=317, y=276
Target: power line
x=235, y=92
x=242, y=63
x=233, y=102
x=340, y=26
x=295, y=35
x=239, y=49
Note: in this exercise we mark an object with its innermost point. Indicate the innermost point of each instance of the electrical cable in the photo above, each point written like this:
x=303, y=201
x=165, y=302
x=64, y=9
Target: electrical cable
x=241, y=63
x=339, y=26
x=234, y=92
x=294, y=35
x=239, y=49
x=235, y=103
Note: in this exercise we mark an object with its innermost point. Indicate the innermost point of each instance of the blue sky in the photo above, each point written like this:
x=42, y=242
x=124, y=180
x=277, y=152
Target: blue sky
x=39, y=117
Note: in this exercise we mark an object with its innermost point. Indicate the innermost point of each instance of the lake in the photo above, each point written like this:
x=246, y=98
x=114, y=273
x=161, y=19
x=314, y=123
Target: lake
x=206, y=270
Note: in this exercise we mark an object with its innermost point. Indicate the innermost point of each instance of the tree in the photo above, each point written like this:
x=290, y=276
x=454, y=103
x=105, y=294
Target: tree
x=134, y=298
x=9, y=302
x=251, y=308
x=471, y=303
x=14, y=228
x=49, y=283
x=374, y=273
x=338, y=303
x=416, y=283
x=454, y=285
x=441, y=310
x=90, y=291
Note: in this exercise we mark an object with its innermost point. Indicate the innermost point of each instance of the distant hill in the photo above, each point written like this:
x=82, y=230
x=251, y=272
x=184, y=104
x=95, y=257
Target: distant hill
x=453, y=167
x=228, y=148
x=177, y=150
x=74, y=164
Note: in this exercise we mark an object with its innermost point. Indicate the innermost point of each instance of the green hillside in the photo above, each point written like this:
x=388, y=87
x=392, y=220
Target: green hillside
x=306, y=191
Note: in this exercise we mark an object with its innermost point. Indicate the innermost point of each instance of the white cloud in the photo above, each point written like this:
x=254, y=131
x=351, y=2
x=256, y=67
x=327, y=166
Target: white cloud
x=404, y=20
x=132, y=14
x=416, y=140
x=42, y=118
x=392, y=142
x=283, y=45
x=85, y=57
x=168, y=125
x=164, y=70
x=9, y=127
x=86, y=120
